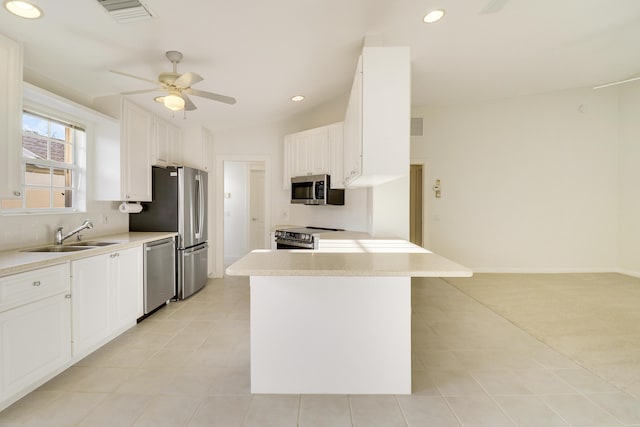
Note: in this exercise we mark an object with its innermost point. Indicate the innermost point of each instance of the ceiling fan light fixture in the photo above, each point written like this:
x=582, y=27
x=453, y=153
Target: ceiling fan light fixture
x=174, y=102
x=433, y=16
x=159, y=99
x=23, y=9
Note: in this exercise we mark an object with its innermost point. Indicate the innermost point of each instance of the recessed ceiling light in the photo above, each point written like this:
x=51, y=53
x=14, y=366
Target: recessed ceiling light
x=433, y=16
x=297, y=98
x=23, y=9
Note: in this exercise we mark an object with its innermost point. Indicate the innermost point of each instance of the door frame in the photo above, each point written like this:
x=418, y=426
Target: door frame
x=218, y=208
x=251, y=167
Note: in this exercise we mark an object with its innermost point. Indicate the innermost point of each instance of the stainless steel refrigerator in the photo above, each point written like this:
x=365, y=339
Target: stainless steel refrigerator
x=180, y=204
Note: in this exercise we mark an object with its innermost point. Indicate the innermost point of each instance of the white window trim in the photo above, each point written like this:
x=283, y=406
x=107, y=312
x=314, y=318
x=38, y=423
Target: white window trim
x=34, y=100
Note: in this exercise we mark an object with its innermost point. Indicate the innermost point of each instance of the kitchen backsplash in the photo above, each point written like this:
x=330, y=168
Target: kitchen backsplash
x=18, y=231
x=352, y=216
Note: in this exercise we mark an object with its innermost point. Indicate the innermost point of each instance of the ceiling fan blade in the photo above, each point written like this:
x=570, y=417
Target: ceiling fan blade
x=133, y=92
x=155, y=82
x=617, y=83
x=210, y=95
x=187, y=80
x=493, y=6
x=188, y=104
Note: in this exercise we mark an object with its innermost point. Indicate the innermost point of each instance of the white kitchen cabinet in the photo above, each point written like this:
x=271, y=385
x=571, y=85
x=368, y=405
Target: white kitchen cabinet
x=314, y=152
x=107, y=297
x=35, y=329
x=335, y=134
x=127, y=269
x=197, y=148
x=175, y=145
x=166, y=144
x=136, y=140
x=10, y=118
x=377, y=121
x=90, y=292
x=123, y=152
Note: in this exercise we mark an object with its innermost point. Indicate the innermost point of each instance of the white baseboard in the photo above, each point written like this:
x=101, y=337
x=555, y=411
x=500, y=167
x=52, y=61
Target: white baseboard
x=526, y=270
x=628, y=272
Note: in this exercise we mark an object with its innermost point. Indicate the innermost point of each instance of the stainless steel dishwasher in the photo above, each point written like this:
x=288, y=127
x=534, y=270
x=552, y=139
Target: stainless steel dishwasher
x=159, y=273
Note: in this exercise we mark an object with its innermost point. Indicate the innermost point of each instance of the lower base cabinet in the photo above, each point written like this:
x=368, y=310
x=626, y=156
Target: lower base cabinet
x=53, y=316
x=107, y=297
x=35, y=329
x=35, y=341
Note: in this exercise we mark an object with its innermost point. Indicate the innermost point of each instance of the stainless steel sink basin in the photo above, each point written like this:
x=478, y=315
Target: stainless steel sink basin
x=58, y=249
x=90, y=243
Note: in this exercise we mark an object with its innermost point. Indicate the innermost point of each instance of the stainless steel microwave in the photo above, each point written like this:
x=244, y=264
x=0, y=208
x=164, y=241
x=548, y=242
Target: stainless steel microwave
x=315, y=190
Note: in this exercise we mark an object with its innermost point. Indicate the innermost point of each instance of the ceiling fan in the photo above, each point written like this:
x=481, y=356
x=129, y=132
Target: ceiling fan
x=493, y=6
x=177, y=86
x=619, y=82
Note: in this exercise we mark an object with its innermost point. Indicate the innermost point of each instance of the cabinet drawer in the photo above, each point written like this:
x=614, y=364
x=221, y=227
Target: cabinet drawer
x=33, y=285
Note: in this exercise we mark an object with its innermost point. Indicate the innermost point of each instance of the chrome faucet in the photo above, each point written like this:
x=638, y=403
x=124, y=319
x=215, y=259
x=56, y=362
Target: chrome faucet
x=60, y=238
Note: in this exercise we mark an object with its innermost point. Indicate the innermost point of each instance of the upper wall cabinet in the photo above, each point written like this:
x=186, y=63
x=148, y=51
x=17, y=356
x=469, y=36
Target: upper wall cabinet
x=123, y=163
x=197, y=148
x=166, y=147
x=10, y=117
x=314, y=152
x=136, y=138
x=377, y=122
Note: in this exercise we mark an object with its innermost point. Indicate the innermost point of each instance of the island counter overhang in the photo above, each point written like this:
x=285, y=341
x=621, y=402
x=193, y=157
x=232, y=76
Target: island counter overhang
x=335, y=320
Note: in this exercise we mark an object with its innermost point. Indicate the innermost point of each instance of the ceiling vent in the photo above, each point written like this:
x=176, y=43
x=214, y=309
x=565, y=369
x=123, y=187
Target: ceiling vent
x=126, y=10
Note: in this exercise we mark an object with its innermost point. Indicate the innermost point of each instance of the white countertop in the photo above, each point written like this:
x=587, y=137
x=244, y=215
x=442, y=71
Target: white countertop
x=16, y=260
x=349, y=254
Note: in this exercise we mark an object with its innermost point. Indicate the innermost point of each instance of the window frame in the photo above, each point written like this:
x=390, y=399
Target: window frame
x=77, y=168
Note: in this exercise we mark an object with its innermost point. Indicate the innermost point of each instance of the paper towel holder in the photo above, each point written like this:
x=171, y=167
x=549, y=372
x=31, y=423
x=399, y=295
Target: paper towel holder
x=130, y=207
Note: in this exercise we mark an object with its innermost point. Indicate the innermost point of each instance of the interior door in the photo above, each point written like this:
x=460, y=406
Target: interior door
x=415, y=205
x=256, y=208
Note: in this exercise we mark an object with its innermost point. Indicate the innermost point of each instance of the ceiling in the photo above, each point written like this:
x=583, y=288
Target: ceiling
x=262, y=53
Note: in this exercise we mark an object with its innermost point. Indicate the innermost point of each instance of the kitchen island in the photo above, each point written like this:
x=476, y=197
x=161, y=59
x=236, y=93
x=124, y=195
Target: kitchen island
x=336, y=320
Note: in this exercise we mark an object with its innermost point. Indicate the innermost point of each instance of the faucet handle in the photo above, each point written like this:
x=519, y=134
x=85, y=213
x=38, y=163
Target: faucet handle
x=58, y=236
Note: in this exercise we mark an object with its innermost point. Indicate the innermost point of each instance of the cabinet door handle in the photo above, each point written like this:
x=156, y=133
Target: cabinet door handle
x=36, y=283
x=68, y=296
x=114, y=255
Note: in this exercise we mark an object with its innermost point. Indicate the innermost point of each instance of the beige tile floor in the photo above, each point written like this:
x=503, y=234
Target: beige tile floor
x=188, y=365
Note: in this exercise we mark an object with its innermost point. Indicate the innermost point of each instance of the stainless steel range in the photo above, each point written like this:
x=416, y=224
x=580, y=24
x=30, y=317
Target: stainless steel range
x=300, y=238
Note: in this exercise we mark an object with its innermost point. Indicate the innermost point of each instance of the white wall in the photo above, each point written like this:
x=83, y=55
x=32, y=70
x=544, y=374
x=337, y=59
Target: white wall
x=352, y=216
x=236, y=211
x=629, y=175
x=528, y=184
x=388, y=212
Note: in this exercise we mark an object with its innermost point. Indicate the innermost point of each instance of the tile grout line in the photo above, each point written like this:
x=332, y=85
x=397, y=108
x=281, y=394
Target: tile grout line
x=551, y=370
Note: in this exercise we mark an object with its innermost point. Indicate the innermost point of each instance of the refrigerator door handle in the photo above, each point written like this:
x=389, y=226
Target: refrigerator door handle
x=200, y=206
x=196, y=251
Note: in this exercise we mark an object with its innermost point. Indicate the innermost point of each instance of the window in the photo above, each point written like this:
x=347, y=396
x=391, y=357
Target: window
x=50, y=164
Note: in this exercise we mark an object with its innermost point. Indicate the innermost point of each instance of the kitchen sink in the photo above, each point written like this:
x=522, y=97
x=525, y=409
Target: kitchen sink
x=58, y=249
x=90, y=243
